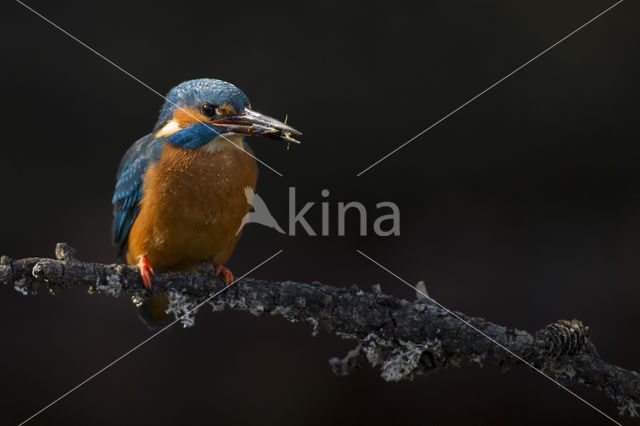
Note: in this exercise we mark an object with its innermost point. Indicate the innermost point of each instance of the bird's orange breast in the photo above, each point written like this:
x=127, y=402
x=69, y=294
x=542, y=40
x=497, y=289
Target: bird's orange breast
x=192, y=206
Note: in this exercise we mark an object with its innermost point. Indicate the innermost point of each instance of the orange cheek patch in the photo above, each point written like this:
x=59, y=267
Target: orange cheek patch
x=226, y=109
x=188, y=116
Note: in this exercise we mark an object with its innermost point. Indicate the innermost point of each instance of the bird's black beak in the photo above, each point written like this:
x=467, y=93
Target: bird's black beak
x=253, y=123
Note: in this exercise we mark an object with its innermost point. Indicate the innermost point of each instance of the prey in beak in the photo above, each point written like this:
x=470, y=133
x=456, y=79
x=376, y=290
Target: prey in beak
x=253, y=123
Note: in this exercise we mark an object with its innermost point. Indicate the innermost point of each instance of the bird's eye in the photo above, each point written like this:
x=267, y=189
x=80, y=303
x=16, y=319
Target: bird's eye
x=208, y=109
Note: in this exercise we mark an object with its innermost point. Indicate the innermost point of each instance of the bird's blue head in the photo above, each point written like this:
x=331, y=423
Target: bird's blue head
x=197, y=111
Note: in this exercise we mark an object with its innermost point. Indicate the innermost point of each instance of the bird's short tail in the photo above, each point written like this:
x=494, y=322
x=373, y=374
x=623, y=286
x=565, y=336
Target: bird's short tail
x=153, y=311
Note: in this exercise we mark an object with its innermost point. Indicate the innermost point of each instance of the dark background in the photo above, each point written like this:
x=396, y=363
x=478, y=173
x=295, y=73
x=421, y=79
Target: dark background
x=523, y=207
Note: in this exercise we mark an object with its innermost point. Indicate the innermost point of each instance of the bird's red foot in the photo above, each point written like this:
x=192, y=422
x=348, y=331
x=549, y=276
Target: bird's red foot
x=225, y=272
x=145, y=271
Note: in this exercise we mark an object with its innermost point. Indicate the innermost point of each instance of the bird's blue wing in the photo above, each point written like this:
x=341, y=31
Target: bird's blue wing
x=128, y=191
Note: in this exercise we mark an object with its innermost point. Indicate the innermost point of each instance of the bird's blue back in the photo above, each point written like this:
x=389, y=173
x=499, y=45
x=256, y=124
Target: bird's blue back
x=128, y=192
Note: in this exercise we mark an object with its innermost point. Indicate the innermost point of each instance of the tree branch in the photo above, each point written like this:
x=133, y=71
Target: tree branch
x=404, y=339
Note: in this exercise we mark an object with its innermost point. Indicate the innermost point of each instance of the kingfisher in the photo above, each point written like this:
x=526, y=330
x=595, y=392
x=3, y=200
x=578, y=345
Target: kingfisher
x=180, y=196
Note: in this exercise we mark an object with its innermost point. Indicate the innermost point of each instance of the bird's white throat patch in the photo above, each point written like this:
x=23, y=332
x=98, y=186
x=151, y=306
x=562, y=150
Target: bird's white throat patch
x=168, y=129
x=225, y=141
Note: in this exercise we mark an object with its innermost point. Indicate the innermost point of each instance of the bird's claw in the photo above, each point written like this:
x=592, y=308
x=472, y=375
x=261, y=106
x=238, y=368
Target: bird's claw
x=225, y=272
x=145, y=271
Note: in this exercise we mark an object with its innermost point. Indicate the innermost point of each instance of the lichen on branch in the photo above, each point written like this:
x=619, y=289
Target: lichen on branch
x=404, y=339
